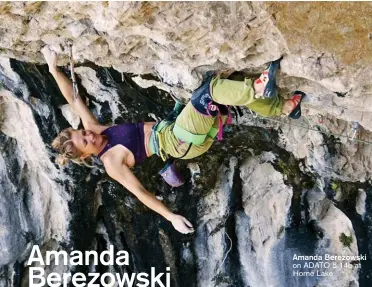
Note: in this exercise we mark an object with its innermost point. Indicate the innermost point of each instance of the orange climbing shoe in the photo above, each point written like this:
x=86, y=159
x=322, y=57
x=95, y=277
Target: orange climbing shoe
x=296, y=100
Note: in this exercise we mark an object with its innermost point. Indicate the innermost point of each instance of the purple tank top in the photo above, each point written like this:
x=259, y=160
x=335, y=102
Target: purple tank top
x=130, y=135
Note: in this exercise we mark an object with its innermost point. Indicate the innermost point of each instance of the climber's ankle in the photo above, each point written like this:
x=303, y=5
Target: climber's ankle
x=258, y=86
x=287, y=107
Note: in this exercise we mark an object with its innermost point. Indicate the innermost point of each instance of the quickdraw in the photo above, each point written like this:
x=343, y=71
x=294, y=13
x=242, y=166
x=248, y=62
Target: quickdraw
x=320, y=119
x=353, y=132
x=254, y=114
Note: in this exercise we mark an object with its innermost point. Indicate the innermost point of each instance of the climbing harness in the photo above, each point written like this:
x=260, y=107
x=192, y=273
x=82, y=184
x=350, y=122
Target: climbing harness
x=169, y=172
x=160, y=125
x=203, y=103
x=73, y=79
x=353, y=132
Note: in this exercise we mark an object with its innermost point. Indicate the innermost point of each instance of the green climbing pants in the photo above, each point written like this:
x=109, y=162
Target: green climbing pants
x=225, y=92
x=241, y=93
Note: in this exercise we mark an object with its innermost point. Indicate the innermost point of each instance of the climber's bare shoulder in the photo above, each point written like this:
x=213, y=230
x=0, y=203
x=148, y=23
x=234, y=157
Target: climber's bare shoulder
x=116, y=166
x=118, y=156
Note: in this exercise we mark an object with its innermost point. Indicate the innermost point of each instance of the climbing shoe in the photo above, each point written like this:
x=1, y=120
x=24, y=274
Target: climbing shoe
x=270, y=73
x=296, y=100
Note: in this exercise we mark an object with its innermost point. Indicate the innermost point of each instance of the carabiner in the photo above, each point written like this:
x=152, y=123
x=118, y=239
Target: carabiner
x=254, y=114
x=354, y=131
x=320, y=119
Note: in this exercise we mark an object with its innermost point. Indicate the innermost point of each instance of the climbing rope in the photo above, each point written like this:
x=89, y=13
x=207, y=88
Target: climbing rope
x=73, y=79
x=351, y=136
x=227, y=253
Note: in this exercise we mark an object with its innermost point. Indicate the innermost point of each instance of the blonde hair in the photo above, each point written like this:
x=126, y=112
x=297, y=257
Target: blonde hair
x=66, y=149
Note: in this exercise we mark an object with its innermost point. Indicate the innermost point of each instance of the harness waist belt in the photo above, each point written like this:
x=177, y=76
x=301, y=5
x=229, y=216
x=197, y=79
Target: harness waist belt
x=188, y=137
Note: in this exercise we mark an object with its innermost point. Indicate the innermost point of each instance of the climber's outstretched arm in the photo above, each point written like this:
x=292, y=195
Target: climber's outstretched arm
x=116, y=169
x=65, y=85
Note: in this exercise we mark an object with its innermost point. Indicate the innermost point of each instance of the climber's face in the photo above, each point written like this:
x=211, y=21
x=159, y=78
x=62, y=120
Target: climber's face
x=87, y=142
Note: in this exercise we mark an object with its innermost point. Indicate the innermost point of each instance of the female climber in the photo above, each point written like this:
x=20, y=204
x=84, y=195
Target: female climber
x=120, y=147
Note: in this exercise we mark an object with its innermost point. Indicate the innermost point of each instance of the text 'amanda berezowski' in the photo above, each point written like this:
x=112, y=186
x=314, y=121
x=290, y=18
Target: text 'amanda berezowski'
x=38, y=278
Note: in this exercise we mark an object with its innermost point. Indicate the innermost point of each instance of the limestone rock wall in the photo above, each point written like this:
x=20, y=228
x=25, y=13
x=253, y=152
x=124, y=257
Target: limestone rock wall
x=266, y=201
x=34, y=200
x=326, y=46
x=311, y=181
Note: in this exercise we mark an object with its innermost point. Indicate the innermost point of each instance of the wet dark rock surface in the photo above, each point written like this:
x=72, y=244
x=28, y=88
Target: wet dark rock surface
x=103, y=212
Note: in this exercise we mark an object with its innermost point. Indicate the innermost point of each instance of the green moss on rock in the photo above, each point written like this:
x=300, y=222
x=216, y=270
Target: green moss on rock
x=346, y=240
